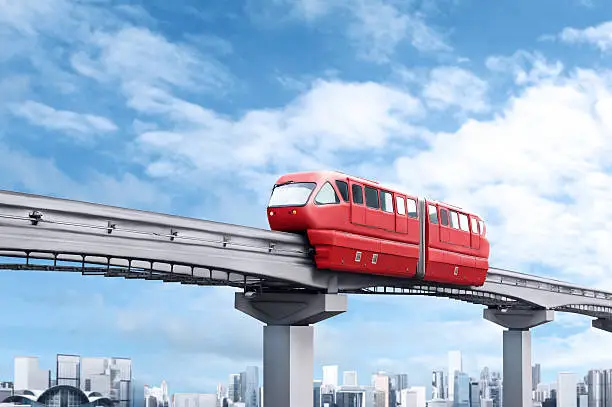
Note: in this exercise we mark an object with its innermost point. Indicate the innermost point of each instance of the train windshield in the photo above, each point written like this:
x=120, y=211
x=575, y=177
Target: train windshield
x=291, y=194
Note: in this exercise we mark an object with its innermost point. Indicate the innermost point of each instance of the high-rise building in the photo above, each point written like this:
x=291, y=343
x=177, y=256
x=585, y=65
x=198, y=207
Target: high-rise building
x=68, y=369
x=437, y=385
x=316, y=393
x=233, y=388
x=330, y=376
x=29, y=376
x=252, y=387
x=380, y=381
x=474, y=393
x=461, y=387
x=566, y=390
x=454, y=365
x=535, y=376
x=349, y=378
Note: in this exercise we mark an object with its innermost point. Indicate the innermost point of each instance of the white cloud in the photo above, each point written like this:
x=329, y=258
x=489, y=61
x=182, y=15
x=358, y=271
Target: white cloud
x=599, y=36
x=526, y=67
x=81, y=125
x=453, y=86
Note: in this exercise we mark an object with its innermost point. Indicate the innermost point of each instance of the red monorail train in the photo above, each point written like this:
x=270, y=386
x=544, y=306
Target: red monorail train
x=357, y=225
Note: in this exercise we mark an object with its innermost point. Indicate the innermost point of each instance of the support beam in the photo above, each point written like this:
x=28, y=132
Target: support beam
x=288, y=348
x=603, y=324
x=517, y=351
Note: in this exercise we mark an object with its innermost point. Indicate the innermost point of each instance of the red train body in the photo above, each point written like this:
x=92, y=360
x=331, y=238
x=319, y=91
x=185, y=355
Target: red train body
x=357, y=225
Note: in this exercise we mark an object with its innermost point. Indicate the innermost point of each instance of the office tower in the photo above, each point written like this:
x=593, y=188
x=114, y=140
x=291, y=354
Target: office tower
x=485, y=378
x=454, y=365
x=68, y=368
x=474, y=393
x=349, y=378
x=233, y=388
x=566, y=390
x=356, y=397
x=28, y=375
x=330, y=376
x=594, y=384
x=242, y=386
x=316, y=393
x=535, y=376
x=437, y=385
x=380, y=382
x=461, y=387
x=606, y=388
x=252, y=386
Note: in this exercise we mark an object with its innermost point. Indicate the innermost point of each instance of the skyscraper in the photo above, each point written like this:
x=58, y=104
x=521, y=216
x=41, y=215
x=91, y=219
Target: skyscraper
x=437, y=385
x=454, y=365
x=535, y=376
x=566, y=390
x=461, y=396
x=252, y=387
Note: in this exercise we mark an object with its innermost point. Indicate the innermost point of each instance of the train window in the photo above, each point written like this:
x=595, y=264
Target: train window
x=357, y=194
x=454, y=220
x=443, y=217
x=371, y=195
x=291, y=194
x=343, y=188
x=433, y=215
x=386, y=200
x=463, y=222
x=474, y=225
x=400, y=204
x=482, y=229
x=327, y=195
x=412, y=208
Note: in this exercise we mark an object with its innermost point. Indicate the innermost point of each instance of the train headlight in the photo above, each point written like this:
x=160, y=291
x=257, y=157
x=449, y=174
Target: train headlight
x=293, y=212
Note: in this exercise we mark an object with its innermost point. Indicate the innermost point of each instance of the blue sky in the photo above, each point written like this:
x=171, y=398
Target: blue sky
x=195, y=109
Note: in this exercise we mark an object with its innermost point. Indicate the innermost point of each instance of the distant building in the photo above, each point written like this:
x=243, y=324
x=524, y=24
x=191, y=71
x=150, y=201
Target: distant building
x=61, y=395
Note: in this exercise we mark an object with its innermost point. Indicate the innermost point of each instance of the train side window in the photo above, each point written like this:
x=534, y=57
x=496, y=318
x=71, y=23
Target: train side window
x=343, y=188
x=454, y=220
x=482, y=229
x=327, y=195
x=463, y=222
x=412, y=207
x=474, y=225
x=401, y=205
x=357, y=194
x=433, y=215
x=371, y=195
x=443, y=217
x=386, y=200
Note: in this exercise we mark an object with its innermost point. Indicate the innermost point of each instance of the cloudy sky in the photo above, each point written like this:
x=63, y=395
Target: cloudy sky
x=499, y=107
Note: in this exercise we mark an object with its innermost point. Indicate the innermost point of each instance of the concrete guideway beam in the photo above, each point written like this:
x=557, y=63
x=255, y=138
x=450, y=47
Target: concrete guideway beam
x=602, y=323
x=517, y=350
x=288, y=341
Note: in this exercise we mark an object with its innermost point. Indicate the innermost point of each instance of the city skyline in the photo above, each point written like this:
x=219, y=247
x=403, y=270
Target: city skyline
x=196, y=111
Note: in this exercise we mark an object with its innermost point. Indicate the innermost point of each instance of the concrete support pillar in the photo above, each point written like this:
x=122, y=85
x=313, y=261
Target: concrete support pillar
x=517, y=351
x=288, y=348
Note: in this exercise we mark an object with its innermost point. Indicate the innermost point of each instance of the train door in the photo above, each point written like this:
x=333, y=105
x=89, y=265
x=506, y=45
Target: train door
x=373, y=214
x=387, y=217
x=358, y=215
x=444, y=225
x=475, y=242
x=413, y=217
x=401, y=224
x=459, y=231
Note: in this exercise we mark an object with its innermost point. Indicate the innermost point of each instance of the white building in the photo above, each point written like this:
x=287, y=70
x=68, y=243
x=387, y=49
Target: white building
x=28, y=375
x=566, y=390
x=195, y=400
x=454, y=365
x=349, y=378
